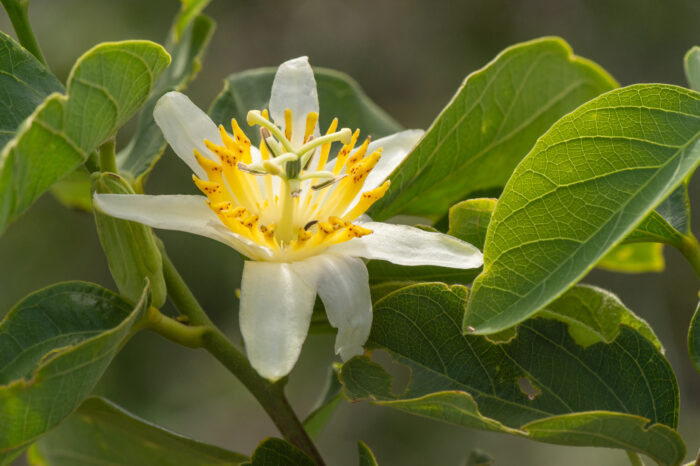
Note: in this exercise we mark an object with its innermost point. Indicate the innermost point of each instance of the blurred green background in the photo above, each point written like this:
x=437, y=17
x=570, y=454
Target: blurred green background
x=410, y=56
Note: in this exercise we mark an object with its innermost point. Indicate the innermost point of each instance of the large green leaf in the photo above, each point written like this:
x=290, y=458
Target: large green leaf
x=277, y=452
x=490, y=124
x=24, y=83
x=692, y=68
x=578, y=370
x=100, y=432
x=694, y=339
x=107, y=85
x=585, y=185
x=189, y=40
x=54, y=346
x=338, y=94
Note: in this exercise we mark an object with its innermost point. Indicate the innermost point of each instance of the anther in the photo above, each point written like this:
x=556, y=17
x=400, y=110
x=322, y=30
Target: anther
x=310, y=224
x=252, y=169
x=327, y=183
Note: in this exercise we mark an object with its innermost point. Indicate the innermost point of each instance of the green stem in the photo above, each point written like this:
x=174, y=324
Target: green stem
x=108, y=159
x=192, y=337
x=634, y=458
x=18, y=11
x=270, y=395
x=690, y=248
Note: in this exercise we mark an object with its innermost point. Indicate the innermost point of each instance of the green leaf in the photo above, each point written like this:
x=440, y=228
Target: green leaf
x=470, y=219
x=54, y=346
x=100, y=432
x=542, y=374
x=25, y=82
x=583, y=188
x=489, y=126
x=339, y=96
x=692, y=68
x=322, y=412
x=277, y=452
x=107, y=85
x=187, y=49
x=73, y=191
x=366, y=456
x=694, y=339
x=634, y=258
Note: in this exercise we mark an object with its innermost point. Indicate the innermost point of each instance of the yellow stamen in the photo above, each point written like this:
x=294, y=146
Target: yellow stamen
x=366, y=200
x=311, y=120
x=288, y=124
x=326, y=148
x=343, y=153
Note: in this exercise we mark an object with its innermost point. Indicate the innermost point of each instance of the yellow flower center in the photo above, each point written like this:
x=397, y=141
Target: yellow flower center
x=288, y=202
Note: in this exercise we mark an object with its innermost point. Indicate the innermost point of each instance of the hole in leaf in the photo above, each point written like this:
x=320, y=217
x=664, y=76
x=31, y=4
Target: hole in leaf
x=401, y=375
x=528, y=388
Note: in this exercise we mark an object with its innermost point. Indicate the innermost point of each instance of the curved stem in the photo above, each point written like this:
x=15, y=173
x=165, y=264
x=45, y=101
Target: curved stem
x=18, y=11
x=108, y=161
x=270, y=395
x=690, y=248
x=634, y=458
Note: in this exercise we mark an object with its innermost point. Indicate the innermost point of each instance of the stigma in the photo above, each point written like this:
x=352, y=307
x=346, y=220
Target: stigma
x=289, y=199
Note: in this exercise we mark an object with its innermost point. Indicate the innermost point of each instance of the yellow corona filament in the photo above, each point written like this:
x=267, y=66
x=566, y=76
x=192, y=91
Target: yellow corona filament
x=288, y=124
x=343, y=153
x=326, y=148
x=357, y=155
x=366, y=200
x=311, y=120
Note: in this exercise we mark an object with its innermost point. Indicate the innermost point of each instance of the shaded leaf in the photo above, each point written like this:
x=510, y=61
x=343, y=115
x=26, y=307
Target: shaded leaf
x=694, y=339
x=625, y=384
x=479, y=458
x=339, y=96
x=54, y=346
x=24, y=83
x=634, y=258
x=489, y=126
x=107, y=85
x=322, y=412
x=187, y=48
x=100, y=432
x=470, y=219
x=366, y=456
x=73, y=191
x=583, y=188
x=277, y=452
x=692, y=68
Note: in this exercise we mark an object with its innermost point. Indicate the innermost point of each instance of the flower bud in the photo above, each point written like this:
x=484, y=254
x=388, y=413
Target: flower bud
x=131, y=251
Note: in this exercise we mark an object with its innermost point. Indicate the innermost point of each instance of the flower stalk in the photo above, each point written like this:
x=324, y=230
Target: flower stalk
x=18, y=11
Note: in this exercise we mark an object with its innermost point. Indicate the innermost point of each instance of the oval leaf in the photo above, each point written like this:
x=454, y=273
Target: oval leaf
x=490, y=124
x=54, y=346
x=100, y=432
x=107, y=85
x=611, y=373
x=584, y=186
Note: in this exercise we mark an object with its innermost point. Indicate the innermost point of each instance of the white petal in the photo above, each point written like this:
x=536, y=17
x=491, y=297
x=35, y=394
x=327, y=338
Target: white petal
x=395, y=148
x=406, y=245
x=177, y=212
x=275, y=312
x=185, y=127
x=343, y=285
x=294, y=88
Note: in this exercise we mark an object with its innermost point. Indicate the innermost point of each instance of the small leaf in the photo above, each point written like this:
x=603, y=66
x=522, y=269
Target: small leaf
x=694, y=339
x=54, y=346
x=25, y=82
x=366, y=456
x=634, y=258
x=586, y=184
x=187, y=48
x=100, y=432
x=73, y=191
x=277, y=452
x=339, y=96
x=692, y=68
x=617, y=379
x=470, y=219
x=322, y=412
x=106, y=87
x=490, y=124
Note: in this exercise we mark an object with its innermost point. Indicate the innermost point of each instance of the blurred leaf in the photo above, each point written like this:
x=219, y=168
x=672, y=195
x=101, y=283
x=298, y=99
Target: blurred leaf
x=470, y=219
x=277, y=452
x=24, y=83
x=692, y=68
x=490, y=124
x=100, y=432
x=584, y=187
x=107, y=85
x=479, y=458
x=189, y=12
x=324, y=409
x=339, y=96
x=130, y=248
x=366, y=456
x=694, y=339
x=634, y=258
x=541, y=374
x=54, y=346
x=139, y=157
x=73, y=191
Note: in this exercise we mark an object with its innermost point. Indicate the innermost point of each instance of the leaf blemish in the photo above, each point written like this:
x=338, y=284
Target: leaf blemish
x=528, y=388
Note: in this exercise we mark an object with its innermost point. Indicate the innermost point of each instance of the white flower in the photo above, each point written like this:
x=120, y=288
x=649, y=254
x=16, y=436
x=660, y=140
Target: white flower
x=295, y=214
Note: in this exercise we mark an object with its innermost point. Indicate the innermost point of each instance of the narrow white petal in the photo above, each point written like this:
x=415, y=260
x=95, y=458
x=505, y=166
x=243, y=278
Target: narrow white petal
x=185, y=127
x=395, y=148
x=177, y=212
x=343, y=285
x=406, y=245
x=294, y=88
x=275, y=312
